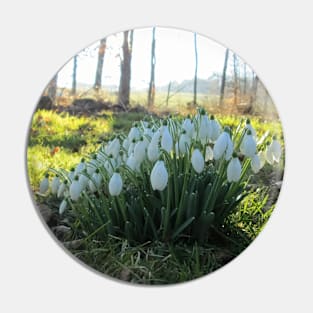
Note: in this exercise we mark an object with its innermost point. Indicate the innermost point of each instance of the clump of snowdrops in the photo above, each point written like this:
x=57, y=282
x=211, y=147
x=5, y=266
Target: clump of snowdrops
x=164, y=180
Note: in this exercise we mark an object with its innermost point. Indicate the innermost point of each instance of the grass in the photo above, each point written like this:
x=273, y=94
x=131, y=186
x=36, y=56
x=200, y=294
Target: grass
x=61, y=140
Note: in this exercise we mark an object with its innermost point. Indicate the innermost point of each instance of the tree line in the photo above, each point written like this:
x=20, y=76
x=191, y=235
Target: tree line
x=243, y=88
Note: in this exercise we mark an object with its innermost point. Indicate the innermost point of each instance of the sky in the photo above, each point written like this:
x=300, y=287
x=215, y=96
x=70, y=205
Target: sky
x=175, y=59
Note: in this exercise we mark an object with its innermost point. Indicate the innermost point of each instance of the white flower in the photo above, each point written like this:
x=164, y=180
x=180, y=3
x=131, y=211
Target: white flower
x=148, y=132
x=95, y=182
x=234, y=170
x=62, y=206
x=159, y=176
x=248, y=145
x=223, y=145
x=134, y=133
x=75, y=189
x=44, y=185
x=249, y=127
x=83, y=180
x=184, y=143
x=188, y=127
x=255, y=163
x=208, y=154
x=204, y=129
x=114, y=148
x=126, y=143
x=131, y=147
x=275, y=149
x=133, y=163
x=55, y=184
x=197, y=161
x=80, y=167
x=115, y=184
x=61, y=189
x=153, y=151
x=71, y=174
x=140, y=150
x=214, y=129
x=167, y=140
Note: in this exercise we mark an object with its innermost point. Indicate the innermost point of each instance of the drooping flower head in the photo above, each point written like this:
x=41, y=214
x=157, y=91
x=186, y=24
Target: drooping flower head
x=115, y=184
x=223, y=145
x=234, y=169
x=197, y=161
x=159, y=176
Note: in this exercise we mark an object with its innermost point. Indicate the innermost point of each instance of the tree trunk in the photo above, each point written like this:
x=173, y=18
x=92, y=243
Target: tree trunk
x=236, y=87
x=245, y=79
x=254, y=91
x=151, y=92
x=222, y=93
x=74, y=76
x=196, y=71
x=168, y=93
x=52, y=89
x=101, y=52
x=124, y=88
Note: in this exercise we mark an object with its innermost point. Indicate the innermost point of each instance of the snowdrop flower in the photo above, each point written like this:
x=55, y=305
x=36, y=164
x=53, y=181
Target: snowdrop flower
x=148, y=131
x=126, y=143
x=275, y=149
x=255, y=163
x=167, y=140
x=223, y=145
x=115, y=184
x=131, y=147
x=153, y=151
x=197, y=161
x=188, y=127
x=44, y=184
x=140, y=150
x=83, y=180
x=71, y=174
x=208, y=154
x=248, y=145
x=159, y=176
x=184, y=142
x=95, y=182
x=204, y=128
x=114, y=148
x=55, y=184
x=214, y=129
x=62, y=206
x=234, y=169
x=80, y=166
x=75, y=189
x=249, y=127
x=133, y=163
x=134, y=133
x=62, y=189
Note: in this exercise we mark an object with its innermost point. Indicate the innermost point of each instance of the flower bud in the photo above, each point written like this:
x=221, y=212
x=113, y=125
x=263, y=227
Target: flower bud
x=55, y=184
x=197, y=161
x=234, y=170
x=75, y=189
x=248, y=145
x=255, y=163
x=115, y=184
x=44, y=184
x=62, y=206
x=167, y=140
x=159, y=176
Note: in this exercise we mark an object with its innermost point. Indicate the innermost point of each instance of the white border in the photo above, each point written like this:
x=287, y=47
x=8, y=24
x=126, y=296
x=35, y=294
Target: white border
x=273, y=274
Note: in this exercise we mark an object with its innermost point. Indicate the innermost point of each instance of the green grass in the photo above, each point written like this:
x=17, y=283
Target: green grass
x=61, y=140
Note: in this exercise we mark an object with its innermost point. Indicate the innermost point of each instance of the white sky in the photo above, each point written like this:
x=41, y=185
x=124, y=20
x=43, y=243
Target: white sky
x=175, y=59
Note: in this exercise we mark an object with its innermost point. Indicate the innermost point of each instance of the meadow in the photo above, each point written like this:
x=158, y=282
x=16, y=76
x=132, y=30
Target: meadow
x=60, y=140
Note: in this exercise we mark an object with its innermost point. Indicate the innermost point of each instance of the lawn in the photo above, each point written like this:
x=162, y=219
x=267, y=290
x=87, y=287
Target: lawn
x=61, y=140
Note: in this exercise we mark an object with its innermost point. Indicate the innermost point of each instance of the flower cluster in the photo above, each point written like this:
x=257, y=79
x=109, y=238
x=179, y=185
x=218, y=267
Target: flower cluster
x=165, y=177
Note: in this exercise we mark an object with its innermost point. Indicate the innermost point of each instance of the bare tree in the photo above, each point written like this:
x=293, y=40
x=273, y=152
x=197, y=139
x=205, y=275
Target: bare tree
x=244, y=79
x=74, y=76
x=124, y=87
x=222, y=93
x=254, y=90
x=195, y=81
x=151, y=92
x=101, y=53
x=52, y=88
x=236, y=79
x=168, y=93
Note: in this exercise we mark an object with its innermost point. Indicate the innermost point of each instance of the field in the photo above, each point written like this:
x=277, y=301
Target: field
x=61, y=140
